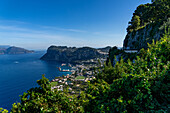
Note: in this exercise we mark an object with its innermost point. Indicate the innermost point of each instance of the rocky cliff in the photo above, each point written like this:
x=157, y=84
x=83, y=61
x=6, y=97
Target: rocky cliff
x=139, y=38
x=149, y=22
x=71, y=54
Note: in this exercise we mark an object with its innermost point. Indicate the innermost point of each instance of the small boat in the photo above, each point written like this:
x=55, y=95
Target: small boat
x=59, y=68
x=63, y=64
x=65, y=70
x=69, y=65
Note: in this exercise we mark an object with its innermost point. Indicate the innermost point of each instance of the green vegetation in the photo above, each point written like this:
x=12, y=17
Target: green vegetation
x=128, y=87
x=157, y=11
x=54, y=83
x=148, y=23
x=118, y=52
x=141, y=86
x=3, y=110
x=135, y=23
x=43, y=99
x=80, y=77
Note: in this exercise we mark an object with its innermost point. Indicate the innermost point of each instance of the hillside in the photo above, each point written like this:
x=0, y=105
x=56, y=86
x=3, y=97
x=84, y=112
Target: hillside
x=14, y=50
x=149, y=22
x=73, y=54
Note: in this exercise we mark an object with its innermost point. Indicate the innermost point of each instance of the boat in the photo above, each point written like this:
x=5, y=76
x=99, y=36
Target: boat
x=63, y=64
x=69, y=65
x=63, y=70
x=59, y=68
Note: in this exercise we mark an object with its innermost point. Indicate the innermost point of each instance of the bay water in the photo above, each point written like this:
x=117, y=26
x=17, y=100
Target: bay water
x=19, y=73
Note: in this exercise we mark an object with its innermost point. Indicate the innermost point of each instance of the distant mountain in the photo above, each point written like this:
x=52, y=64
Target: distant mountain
x=13, y=50
x=72, y=54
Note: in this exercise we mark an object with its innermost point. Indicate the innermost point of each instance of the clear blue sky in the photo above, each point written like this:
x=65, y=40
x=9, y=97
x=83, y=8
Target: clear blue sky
x=37, y=24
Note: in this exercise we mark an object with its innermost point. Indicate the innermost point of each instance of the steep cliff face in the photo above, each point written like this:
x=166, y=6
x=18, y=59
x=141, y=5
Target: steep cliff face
x=70, y=54
x=149, y=22
x=138, y=39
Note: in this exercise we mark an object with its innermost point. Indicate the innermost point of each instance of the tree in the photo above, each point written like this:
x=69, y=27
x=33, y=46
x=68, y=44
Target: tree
x=44, y=99
x=135, y=22
x=141, y=86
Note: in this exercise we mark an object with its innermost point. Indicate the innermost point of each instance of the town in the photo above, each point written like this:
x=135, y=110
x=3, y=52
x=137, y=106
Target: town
x=77, y=81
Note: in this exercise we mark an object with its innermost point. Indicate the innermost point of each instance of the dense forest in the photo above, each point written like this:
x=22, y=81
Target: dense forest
x=139, y=86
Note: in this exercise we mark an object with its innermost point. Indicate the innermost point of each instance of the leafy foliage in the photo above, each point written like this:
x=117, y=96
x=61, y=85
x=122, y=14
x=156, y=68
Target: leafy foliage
x=135, y=23
x=115, y=52
x=141, y=86
x=158, y=11
x=3, y=110
x=43, y=99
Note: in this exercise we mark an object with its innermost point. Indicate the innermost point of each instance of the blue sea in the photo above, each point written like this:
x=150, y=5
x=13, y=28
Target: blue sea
x=19, y=73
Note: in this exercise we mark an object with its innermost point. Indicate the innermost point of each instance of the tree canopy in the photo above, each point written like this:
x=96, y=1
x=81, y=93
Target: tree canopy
x=157, y=11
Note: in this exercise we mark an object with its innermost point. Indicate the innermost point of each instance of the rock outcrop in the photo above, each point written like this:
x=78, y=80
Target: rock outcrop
x=71, y=54
x=138, y=39
x=149, y=22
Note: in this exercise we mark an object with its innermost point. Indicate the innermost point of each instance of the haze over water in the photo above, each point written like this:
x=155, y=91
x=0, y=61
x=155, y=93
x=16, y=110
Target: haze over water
x=19, y=73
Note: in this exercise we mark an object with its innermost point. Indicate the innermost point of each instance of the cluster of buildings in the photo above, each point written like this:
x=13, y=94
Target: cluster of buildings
x=80, y=75
x=86, y=68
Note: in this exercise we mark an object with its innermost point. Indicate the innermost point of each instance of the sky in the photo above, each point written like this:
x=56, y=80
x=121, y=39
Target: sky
x=37, y=24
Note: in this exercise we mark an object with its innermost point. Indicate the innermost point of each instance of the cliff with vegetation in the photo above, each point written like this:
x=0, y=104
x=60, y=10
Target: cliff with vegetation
x=116, y=54
x=72, y=54
x=149, y=22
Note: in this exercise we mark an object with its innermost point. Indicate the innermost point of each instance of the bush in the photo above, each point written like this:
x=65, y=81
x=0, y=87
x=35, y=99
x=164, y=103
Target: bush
x=43, y=99
x=141, y=86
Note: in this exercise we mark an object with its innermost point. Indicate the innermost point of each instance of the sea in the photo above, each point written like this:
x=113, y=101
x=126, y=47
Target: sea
x=19, y=73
